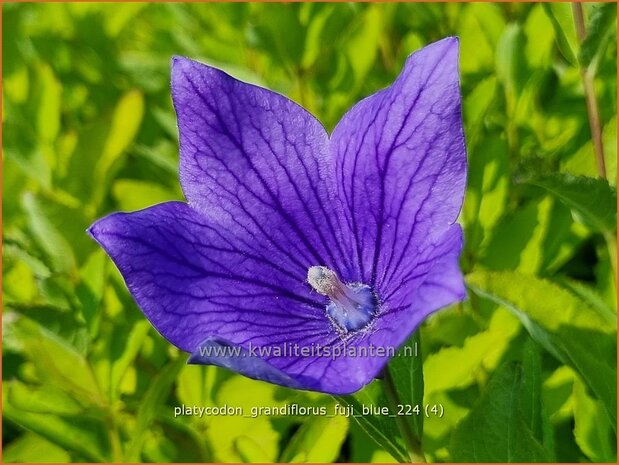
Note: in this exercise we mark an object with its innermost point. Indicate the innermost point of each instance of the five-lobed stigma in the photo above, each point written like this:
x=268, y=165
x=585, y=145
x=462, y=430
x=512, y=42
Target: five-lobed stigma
x=351, y=306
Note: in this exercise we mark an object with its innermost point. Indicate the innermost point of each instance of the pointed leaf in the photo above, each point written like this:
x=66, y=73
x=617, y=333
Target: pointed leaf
x=30, y=447
x=592, y=430
x=150, y=405
x=494, y=430
x=561, y=18
x=599, y=30
x=382, y=429
x=77, y=433
x=57, y=250
x=593, y=200
x=407, y=372
x=563, y=324
x=57, y=362
x=317, y=441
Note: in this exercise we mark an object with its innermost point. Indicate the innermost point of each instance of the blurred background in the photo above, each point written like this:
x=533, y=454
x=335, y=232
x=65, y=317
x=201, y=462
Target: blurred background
x=88, y=128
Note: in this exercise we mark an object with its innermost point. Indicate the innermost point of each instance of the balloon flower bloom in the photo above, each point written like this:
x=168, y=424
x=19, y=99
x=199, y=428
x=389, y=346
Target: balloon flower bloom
x=294, y=243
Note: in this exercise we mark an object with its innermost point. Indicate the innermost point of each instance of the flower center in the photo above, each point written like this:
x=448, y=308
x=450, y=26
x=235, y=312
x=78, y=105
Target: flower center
x=351, y=306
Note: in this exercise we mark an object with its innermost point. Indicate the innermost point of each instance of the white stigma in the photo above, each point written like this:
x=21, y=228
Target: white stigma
x=351, y=306
x=323, y=280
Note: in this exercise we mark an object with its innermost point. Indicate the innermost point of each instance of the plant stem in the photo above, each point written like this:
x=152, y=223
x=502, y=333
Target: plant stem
x=412, y=442
x=114, y=437
x=592, y=104
x=595, y=125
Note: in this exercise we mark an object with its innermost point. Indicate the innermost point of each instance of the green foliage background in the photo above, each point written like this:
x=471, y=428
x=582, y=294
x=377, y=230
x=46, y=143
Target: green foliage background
x=525, y=369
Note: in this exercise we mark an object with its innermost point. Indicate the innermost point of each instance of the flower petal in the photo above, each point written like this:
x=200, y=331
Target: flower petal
x=199, y=287
x=401, y=166
x=191, y=281
x=265, y=189
x=346, y=364
x=440, y=285
x=222, y=353
x=403, y=311
x=256, y=163
x=338, y=371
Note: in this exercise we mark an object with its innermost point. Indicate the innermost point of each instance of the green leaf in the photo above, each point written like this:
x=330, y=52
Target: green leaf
x=381, y=428
x=56, y=362
x=315, y=37
x=43, y=399
x=592, y=429
x=592, y=200
x=30, y=448
x=437, y=430
x=235, y=435
x=123, y=356
x=599, y=30
x=113, y=344
x=125, y=123
x=101, y=147
x=196, y=385
x=580, y=159
x=282, y=34
x=563, y=324
x=79, y=433
x=134, y=195
x=557, y=394
x=49, y=107
x=150, y=406
x=124, y=126
x=364, y=450
x=511, y=69
x=488, y=181
x=494, y=430
x=592, y=298
x=538, y=236
x=89, y=291
x=366, y=38
x=560, y=15
x=531, y=402
x=58, y=252
x=407, y=372
x=479, y=353
x=481, y=27
x=476, y=106
x=250, y=450
x=116, y=20
x=317, y=441
x=540, y=38
x=19, y=279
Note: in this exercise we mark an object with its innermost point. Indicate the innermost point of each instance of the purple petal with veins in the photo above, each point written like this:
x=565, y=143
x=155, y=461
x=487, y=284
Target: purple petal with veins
x=298, y=254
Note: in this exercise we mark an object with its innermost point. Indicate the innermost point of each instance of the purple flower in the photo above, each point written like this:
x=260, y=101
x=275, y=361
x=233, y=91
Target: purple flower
x=298, y=254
